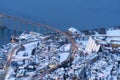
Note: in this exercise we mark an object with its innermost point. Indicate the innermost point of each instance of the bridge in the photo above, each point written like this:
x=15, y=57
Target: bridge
x=18, y=25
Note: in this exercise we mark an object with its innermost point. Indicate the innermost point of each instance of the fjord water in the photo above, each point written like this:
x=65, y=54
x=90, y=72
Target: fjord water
x=62, y=14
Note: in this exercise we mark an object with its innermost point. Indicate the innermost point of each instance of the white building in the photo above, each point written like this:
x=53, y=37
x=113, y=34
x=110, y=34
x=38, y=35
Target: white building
x=74, y=31
x=92, y=46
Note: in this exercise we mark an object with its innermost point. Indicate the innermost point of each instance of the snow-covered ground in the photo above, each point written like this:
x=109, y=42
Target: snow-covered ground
x=40, y=56
x=63, y=56
x=35, y=56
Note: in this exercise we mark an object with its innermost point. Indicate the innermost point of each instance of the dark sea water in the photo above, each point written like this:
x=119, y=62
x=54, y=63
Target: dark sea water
x=4, y=37
x=62, y=14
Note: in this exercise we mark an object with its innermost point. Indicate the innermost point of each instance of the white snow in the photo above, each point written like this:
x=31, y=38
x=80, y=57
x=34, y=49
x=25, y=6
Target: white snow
x=113, y=33
x=63, y=56
x=28, y=49
x=67, y=47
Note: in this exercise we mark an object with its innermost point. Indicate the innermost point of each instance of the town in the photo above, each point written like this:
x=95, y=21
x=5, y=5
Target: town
x=35, y=56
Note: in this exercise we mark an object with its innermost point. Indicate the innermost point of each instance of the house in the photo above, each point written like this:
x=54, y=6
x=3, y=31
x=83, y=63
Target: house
x=73, y=31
